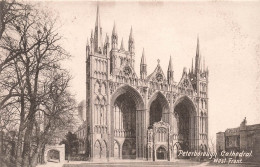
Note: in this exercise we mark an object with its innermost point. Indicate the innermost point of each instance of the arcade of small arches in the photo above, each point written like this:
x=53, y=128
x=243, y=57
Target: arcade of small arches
x=153, y=128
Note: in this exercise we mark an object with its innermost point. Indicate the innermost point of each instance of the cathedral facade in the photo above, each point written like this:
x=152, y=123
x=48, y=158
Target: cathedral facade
x=150, y=117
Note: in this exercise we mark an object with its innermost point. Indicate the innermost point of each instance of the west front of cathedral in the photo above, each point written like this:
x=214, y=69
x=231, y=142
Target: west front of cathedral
x=146, y=116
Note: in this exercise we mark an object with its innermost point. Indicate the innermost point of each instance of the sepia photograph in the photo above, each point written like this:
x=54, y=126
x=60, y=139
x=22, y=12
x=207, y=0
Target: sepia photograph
x=129, y=83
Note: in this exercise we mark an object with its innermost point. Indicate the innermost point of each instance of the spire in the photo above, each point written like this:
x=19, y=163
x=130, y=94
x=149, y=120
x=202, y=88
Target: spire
x=122, y=45
x=87, y=49
x=170, y=64
x=198, y=47
x=91, y=34
x=143, y=66
x=106, y=40
x=204, y=69
x=170, y=72
x=97, y=18
x=114, y=37
x=143, y=59
x=131, y=43
x=192, y=66
x=87, y=42
x=131, y=34
x=91, y=43
x=200, y=63
x=98, y=33
x=198, y=57
x=114, y=29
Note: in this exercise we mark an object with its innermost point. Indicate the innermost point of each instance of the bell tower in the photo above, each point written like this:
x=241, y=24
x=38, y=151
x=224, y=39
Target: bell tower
x=97, y=75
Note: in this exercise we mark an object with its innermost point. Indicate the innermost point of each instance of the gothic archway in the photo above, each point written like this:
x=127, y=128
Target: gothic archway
x=185, y=112
x=127, y=120
x=158, y=108
x=97, y=150
x=103, y=149
x=116, y=150
x=161, y=153
x=128, y=150
x=175, y=150
x=53, y=155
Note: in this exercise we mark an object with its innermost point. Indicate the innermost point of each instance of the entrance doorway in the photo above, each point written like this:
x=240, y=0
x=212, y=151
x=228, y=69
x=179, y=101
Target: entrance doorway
x=53, y=156
x=128, y=150
x=161, y=153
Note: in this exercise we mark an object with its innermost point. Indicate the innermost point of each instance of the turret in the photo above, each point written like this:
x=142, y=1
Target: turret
x=143, y=67
x=131, y=42
x=114, y=38
x=170, y=78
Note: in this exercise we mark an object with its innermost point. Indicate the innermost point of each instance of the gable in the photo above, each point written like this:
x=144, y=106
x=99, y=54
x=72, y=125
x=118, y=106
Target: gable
x=185, y=82
x=157, y=75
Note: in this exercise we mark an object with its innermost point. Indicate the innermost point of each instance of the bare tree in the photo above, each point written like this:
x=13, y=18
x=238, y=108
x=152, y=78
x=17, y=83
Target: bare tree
x=212, y=144
x=34, y=86
x=11, y=11
x=55, y=112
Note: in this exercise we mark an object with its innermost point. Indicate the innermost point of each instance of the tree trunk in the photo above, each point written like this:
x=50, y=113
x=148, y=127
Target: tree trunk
x=26, y=146
x=34, y=159
x=19, y=147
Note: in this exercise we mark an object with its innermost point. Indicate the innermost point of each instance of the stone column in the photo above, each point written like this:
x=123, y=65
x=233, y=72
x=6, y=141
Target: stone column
x=139, y=133
x=121, y=151
x=109, y=124
x=196, y=119
x=112, y=132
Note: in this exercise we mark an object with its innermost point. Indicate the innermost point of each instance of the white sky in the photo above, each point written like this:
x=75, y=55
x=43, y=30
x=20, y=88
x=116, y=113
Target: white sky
x=229, y=35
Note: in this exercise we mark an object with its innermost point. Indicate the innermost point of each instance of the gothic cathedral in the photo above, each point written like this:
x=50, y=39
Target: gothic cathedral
x=149, y=117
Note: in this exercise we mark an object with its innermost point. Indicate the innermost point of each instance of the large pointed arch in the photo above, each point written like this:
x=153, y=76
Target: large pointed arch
x=158, y=108
x=132, y=92
x=104, y=149
x=187, y=100
x=97, y=149
x=185, y=116
x=161, y=97
x=116, y=149
x=127, y=106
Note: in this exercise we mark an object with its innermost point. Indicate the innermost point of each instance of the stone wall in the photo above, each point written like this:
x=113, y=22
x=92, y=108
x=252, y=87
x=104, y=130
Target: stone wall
x=59, y=148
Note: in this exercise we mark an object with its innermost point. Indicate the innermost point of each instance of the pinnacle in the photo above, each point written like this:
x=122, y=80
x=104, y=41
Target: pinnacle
x=122, y=45
x=170, y=64
x=107, y=38
x=204, y=69
x=143, y=59
x=114, y=28
x=198, y=47
x=192, y=66
x=98, y=18
x=131, y=34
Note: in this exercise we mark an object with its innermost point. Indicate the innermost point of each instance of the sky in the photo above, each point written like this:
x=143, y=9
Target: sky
x=229, y=41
